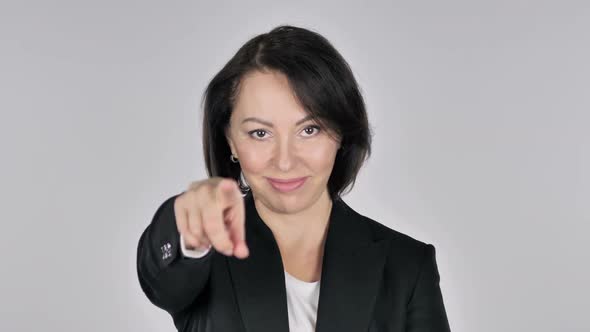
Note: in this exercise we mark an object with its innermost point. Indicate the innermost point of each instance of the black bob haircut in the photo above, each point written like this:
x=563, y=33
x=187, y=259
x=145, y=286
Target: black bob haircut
x=321, y=80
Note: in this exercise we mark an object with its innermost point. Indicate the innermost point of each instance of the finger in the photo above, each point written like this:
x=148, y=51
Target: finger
x=195, y=227
x=204, y=242
x=183, y=227
x=241, y=249
x=238, y=232
x=215, y=229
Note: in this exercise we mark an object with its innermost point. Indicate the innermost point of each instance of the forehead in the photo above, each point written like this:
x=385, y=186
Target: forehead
x=269, y=95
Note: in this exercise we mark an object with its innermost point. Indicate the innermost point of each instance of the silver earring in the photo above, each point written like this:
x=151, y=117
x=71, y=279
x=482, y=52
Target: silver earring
x=244, y=187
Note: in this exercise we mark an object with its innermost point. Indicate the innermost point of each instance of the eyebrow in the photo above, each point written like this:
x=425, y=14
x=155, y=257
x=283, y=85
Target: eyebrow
x=266, y=123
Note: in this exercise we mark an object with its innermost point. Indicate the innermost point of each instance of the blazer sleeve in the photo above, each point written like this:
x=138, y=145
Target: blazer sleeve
x=170, y=280
x=426, y=311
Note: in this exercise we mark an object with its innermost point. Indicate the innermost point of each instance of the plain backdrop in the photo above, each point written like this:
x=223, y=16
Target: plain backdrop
x=481, y=116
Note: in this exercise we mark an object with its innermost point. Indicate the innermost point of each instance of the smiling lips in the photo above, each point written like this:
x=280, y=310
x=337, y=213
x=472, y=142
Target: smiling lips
x=286, y=185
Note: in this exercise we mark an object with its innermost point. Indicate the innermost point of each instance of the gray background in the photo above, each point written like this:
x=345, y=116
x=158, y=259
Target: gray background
x=480, y=112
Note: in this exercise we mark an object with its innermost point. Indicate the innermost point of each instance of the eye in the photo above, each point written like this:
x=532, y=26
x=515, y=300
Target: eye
x=259, y=133
x=310, y=130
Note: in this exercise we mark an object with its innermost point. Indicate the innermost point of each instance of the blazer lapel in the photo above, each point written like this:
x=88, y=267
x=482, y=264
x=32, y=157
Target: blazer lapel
x=259, y=280
x=351, y=270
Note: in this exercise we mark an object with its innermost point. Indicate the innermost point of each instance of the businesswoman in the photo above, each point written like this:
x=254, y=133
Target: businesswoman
x=267, y=243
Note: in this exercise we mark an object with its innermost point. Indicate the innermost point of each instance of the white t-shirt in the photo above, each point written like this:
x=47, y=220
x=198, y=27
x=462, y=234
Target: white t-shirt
x=302, y=302
x=302, y=296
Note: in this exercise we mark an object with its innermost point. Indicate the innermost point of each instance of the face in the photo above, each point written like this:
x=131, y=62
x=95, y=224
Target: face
x=273, y=138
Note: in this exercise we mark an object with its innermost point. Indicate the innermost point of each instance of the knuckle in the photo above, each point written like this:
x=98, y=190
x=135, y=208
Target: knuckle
x=194, y=185
x=193, y=196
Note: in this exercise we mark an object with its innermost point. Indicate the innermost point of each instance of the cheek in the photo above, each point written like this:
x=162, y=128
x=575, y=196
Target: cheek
x=321, y=157
x=252, y=160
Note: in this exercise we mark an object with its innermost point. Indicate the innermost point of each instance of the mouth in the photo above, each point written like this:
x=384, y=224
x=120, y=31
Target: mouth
x=286, y=185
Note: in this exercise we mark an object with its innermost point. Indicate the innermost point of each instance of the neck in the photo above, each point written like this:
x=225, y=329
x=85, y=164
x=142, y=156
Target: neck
x=302, y=229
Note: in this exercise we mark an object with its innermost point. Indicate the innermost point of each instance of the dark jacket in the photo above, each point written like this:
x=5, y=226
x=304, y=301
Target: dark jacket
x=373, y=278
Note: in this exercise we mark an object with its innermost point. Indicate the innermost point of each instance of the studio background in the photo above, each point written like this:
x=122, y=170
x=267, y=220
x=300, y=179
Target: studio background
x=481, y=116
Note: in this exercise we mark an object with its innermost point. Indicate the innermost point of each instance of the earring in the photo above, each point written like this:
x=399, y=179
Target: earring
x=244, y=187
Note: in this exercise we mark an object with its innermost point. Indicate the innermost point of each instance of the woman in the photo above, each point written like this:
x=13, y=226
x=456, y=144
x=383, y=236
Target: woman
x=266, y=243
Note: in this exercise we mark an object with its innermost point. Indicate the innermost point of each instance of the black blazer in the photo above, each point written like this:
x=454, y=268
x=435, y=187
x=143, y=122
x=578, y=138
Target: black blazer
x=373, y=278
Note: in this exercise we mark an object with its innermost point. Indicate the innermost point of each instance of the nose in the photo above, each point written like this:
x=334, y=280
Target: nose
x=285, y=156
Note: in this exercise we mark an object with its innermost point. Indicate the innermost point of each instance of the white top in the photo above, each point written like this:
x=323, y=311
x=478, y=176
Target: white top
x=302, y=302
x=302, y=296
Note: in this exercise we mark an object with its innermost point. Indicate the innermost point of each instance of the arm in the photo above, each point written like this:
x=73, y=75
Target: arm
x=170, y=280
x=426, y=311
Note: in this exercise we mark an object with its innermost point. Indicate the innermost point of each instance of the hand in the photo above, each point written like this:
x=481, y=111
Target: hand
x=212, y=212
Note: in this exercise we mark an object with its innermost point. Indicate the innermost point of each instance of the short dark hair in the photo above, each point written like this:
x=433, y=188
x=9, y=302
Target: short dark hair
x=321, y=80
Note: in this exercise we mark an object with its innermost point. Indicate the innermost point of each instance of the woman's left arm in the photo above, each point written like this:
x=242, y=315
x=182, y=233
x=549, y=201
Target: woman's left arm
x=426, y=310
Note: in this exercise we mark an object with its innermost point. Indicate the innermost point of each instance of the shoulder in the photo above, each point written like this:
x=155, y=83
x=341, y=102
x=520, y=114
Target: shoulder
x=404, y=249
x=407, y=257
x=397, y=239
